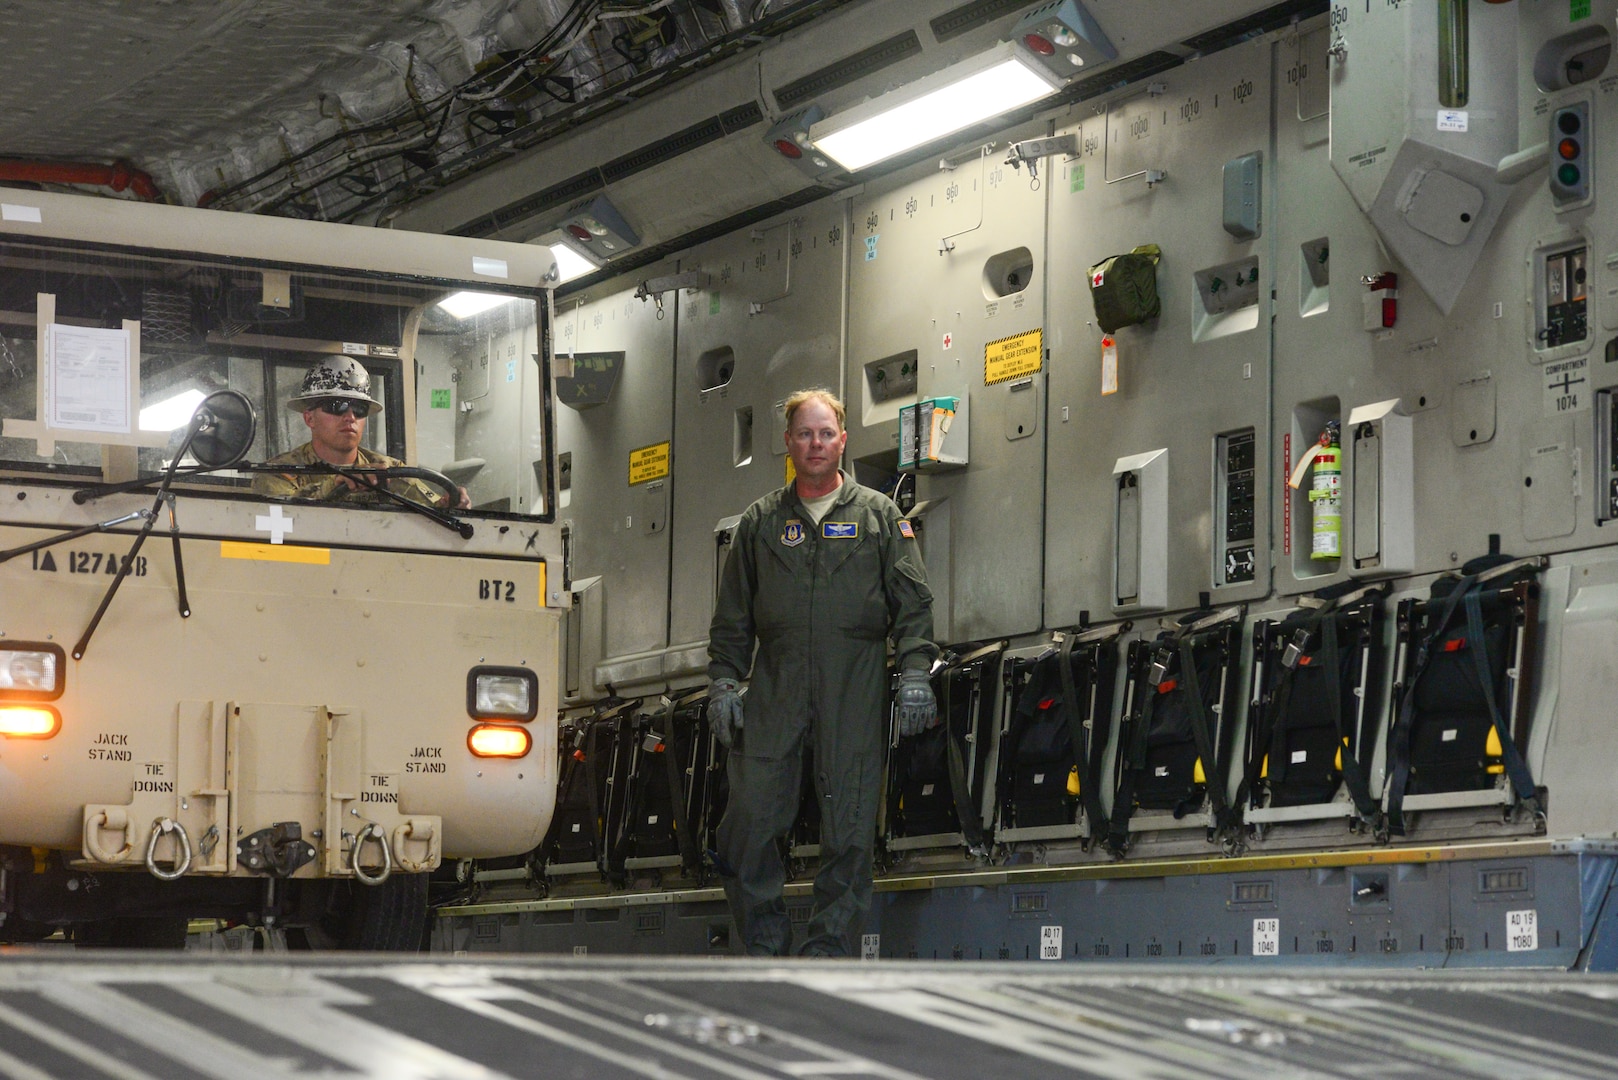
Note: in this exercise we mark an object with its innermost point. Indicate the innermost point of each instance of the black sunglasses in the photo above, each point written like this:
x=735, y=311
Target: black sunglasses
x=339, y=406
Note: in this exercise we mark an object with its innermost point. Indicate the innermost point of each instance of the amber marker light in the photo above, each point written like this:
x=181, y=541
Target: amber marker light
x=499, y=740
x=29, y=721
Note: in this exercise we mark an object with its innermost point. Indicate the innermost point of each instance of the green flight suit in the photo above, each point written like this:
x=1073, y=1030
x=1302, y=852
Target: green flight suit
x=820, y=602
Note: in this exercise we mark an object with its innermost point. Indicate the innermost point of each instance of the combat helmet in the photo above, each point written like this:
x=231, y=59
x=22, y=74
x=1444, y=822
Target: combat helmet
x=334, y=377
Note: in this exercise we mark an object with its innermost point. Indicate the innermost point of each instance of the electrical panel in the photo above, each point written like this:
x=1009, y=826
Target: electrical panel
x=1226, y=300
x=892, y=376
x=1562, y=290
x=1234, y=508
x=1606, y=455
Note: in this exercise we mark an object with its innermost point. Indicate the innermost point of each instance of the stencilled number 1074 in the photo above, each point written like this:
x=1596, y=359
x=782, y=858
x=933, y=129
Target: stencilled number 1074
x=495, y=589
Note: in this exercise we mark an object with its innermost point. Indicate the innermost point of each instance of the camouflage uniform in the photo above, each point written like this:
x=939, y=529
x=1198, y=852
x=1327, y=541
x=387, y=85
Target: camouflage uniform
x=820, y=602
x=330, y=486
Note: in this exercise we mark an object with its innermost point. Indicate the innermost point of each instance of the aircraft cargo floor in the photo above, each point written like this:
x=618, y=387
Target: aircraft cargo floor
x=86, y=1014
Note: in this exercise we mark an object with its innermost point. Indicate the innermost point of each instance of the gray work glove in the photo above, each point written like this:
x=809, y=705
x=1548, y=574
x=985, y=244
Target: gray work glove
x=918, y=710
x=724, y=711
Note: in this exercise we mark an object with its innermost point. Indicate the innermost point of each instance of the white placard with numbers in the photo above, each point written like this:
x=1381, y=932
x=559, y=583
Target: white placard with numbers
x=1266, y=937
x=1050, y=943
x=1522, y=931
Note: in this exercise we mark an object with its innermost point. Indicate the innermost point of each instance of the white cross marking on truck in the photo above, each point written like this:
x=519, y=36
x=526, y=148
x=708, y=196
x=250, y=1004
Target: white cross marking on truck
x=273, y=523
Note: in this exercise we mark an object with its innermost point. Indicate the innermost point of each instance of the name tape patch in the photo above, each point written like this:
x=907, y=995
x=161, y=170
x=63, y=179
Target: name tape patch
x=840, y=530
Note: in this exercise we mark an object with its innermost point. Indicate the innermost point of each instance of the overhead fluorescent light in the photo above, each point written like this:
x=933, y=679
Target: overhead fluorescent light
x=941, y=104
x=171, y=413
x=569, y=263
x=464, y=305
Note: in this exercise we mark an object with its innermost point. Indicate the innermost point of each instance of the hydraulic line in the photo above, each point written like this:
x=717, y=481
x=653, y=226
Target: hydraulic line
x=119, y=176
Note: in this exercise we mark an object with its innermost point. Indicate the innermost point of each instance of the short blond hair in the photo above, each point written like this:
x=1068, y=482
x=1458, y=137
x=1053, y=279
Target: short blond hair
x=818, y=393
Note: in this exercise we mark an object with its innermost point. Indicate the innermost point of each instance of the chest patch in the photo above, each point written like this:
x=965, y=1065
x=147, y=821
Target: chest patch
x=792, y=533
x=840, y=530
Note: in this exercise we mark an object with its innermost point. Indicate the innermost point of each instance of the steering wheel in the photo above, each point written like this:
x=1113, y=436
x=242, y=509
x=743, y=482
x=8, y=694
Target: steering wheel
x=451, y=490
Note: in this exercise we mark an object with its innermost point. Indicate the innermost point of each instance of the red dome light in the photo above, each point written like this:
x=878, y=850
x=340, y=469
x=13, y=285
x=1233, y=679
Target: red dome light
x=580, y=233
x=788, y=148
x=1039, y=43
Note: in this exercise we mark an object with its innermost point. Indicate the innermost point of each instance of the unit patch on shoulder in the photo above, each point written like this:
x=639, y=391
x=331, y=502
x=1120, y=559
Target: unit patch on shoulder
x=792, y=533
x=840, y=530
x=905, y=530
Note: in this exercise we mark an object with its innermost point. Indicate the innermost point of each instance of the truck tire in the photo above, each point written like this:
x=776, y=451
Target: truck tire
x=390, y=917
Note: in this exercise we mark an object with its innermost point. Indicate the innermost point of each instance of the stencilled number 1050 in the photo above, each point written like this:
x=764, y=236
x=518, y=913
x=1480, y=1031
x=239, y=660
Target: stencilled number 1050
x=495, y=589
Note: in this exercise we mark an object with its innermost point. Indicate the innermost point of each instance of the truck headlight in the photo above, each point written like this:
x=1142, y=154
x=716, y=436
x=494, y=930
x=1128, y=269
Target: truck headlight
x=502, y=693
x=31, y=671
x=499, y=740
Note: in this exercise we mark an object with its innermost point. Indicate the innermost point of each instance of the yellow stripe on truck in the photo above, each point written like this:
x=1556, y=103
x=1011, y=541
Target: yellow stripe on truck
x=236, y=549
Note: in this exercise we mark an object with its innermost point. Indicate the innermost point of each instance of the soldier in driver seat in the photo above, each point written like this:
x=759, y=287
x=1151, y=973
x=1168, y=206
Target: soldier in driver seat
x=335, y=400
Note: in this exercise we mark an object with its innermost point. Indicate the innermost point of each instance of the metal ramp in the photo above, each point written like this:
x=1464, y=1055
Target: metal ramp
x=91, y=1015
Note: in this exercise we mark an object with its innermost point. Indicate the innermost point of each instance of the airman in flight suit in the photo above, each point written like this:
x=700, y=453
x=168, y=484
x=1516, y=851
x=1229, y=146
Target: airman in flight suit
x=821, y=574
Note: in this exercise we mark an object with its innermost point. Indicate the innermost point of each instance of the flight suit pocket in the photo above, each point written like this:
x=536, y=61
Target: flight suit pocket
x=854, y=586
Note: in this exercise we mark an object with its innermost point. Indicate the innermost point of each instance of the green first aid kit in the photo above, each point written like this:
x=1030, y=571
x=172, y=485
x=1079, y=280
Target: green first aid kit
x=1124, y=288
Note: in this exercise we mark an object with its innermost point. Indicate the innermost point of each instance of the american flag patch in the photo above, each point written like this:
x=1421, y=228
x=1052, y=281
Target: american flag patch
x=905, y=530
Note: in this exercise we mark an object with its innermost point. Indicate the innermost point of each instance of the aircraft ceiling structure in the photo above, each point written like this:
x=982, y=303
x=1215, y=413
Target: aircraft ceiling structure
x=502, y=118
x=335, y=111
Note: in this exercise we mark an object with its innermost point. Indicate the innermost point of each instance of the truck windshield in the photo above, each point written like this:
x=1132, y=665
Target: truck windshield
x=458, y=371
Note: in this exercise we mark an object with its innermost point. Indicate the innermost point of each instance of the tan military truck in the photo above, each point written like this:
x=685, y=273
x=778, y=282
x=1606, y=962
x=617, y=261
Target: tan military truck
x=280, y=711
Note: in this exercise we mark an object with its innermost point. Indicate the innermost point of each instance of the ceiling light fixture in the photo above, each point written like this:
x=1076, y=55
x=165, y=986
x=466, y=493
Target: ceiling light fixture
x=789, y=137
x=595, y=225
x=464, y=305
x=569, y=263
x=941, y=104
x=1063, y=37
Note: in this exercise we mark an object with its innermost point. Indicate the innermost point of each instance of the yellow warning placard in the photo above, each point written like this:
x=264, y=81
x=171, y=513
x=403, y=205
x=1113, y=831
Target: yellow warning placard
x=1013, y=357
x=648, y=463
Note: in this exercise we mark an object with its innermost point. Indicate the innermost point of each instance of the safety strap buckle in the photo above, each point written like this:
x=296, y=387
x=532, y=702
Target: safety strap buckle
x=1295, y=648
x=1161, y=661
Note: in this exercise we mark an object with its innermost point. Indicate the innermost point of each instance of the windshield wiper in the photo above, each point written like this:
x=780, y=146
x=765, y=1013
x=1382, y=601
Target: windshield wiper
x=374, y=478
x=363, y=475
